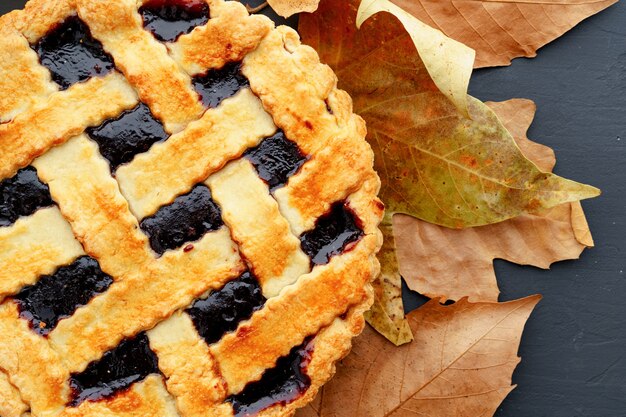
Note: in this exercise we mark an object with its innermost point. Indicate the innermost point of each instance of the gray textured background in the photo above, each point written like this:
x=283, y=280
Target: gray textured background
x=574, y=346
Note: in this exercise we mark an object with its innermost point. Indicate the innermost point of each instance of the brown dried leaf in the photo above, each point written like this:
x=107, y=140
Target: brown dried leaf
x=580, y=225
x=460, y=364
x=286, y=8
x=451, y=264
x=500, y=30
x=435, y=164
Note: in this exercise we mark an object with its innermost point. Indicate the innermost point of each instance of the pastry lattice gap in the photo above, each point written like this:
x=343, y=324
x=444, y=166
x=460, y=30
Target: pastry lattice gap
x=73, y=56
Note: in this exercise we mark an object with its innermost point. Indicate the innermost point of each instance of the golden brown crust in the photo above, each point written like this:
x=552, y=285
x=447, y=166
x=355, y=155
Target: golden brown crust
x=11, y=403
x=35, y=246
x=143, y=61
x=190, y=369
x=146, y=296
x=40, y=16
x=204, y=147
x=42, y=384
x=81, y=184
x=25, y=81
x=53, y=121
x=296, y=89
x=227, y=37
x=254, y=220
x=290, y=90
x=312, y=303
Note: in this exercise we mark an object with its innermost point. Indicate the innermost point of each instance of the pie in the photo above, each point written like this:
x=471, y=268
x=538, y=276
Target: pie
x=188, y=212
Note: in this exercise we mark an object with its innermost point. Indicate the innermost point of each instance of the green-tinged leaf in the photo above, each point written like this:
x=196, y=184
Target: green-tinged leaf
x=435, y=164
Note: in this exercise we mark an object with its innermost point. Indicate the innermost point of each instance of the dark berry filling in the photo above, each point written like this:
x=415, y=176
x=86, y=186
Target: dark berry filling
x=132, y=361
x=57, y=296
x=132, y=133
x=223, y=310
x=71, y=54
x=187, y=219
x=332, y=234
x=168, y=19
x=276, y=159
x=217, y=85
x=283, y=384
x=22, y=195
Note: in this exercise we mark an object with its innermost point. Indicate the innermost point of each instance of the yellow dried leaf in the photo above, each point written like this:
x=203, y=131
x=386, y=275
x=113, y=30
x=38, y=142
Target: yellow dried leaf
x=448, y=62
x=450, y=264
x=460, y=364
x=434, y=163
x=500, y=30
x=387, y=313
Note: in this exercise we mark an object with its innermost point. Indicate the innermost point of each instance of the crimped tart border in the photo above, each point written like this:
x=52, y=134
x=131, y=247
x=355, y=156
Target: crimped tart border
x=333, y=341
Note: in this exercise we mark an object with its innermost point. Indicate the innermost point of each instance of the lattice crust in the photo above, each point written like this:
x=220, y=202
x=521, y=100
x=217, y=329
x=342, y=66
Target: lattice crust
x=200, y=150
x=99, y=211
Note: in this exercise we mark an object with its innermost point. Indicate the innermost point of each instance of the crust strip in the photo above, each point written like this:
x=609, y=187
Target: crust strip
x=143, y=60
x=191, y=156
x=312, y=303
x=227, y=37
x=189, y=368
x=55, y=120
x=35, y=246
x=263, y=235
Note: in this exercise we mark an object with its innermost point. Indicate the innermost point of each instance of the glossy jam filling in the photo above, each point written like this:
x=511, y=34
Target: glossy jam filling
x=131, y=361
x=132, y=133
x=71, y=54
x=281, y=385
x=334, y=232
x=187, y=219
x=217, y=85
x=57, y=296
x=169, y=19
x=223, y=310
x=22, y=195
x=276, y=159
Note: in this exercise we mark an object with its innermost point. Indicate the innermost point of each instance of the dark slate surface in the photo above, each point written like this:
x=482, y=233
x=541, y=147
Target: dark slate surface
x=574, y=346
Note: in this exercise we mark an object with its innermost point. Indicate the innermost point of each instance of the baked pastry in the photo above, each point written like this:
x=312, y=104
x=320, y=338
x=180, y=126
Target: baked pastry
x=188, y=212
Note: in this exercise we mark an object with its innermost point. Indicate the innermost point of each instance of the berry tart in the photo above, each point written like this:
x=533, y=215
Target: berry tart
x=188, y=212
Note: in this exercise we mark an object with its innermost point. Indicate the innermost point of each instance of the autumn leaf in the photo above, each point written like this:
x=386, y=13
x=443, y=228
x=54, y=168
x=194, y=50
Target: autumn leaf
x=434, y=163
x=448, y=62
x=387, y=313
x=500, y=30
x=286, y=8
x=462, y=359
x=450, y=264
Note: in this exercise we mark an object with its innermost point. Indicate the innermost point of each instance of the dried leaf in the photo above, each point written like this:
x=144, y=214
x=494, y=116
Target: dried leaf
x=286, y=8
x=387, y=313
x=460, y=364
x=434, y=163
x=448, y=62
x=500, y=30
x=580, y=226
x=450, y=264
